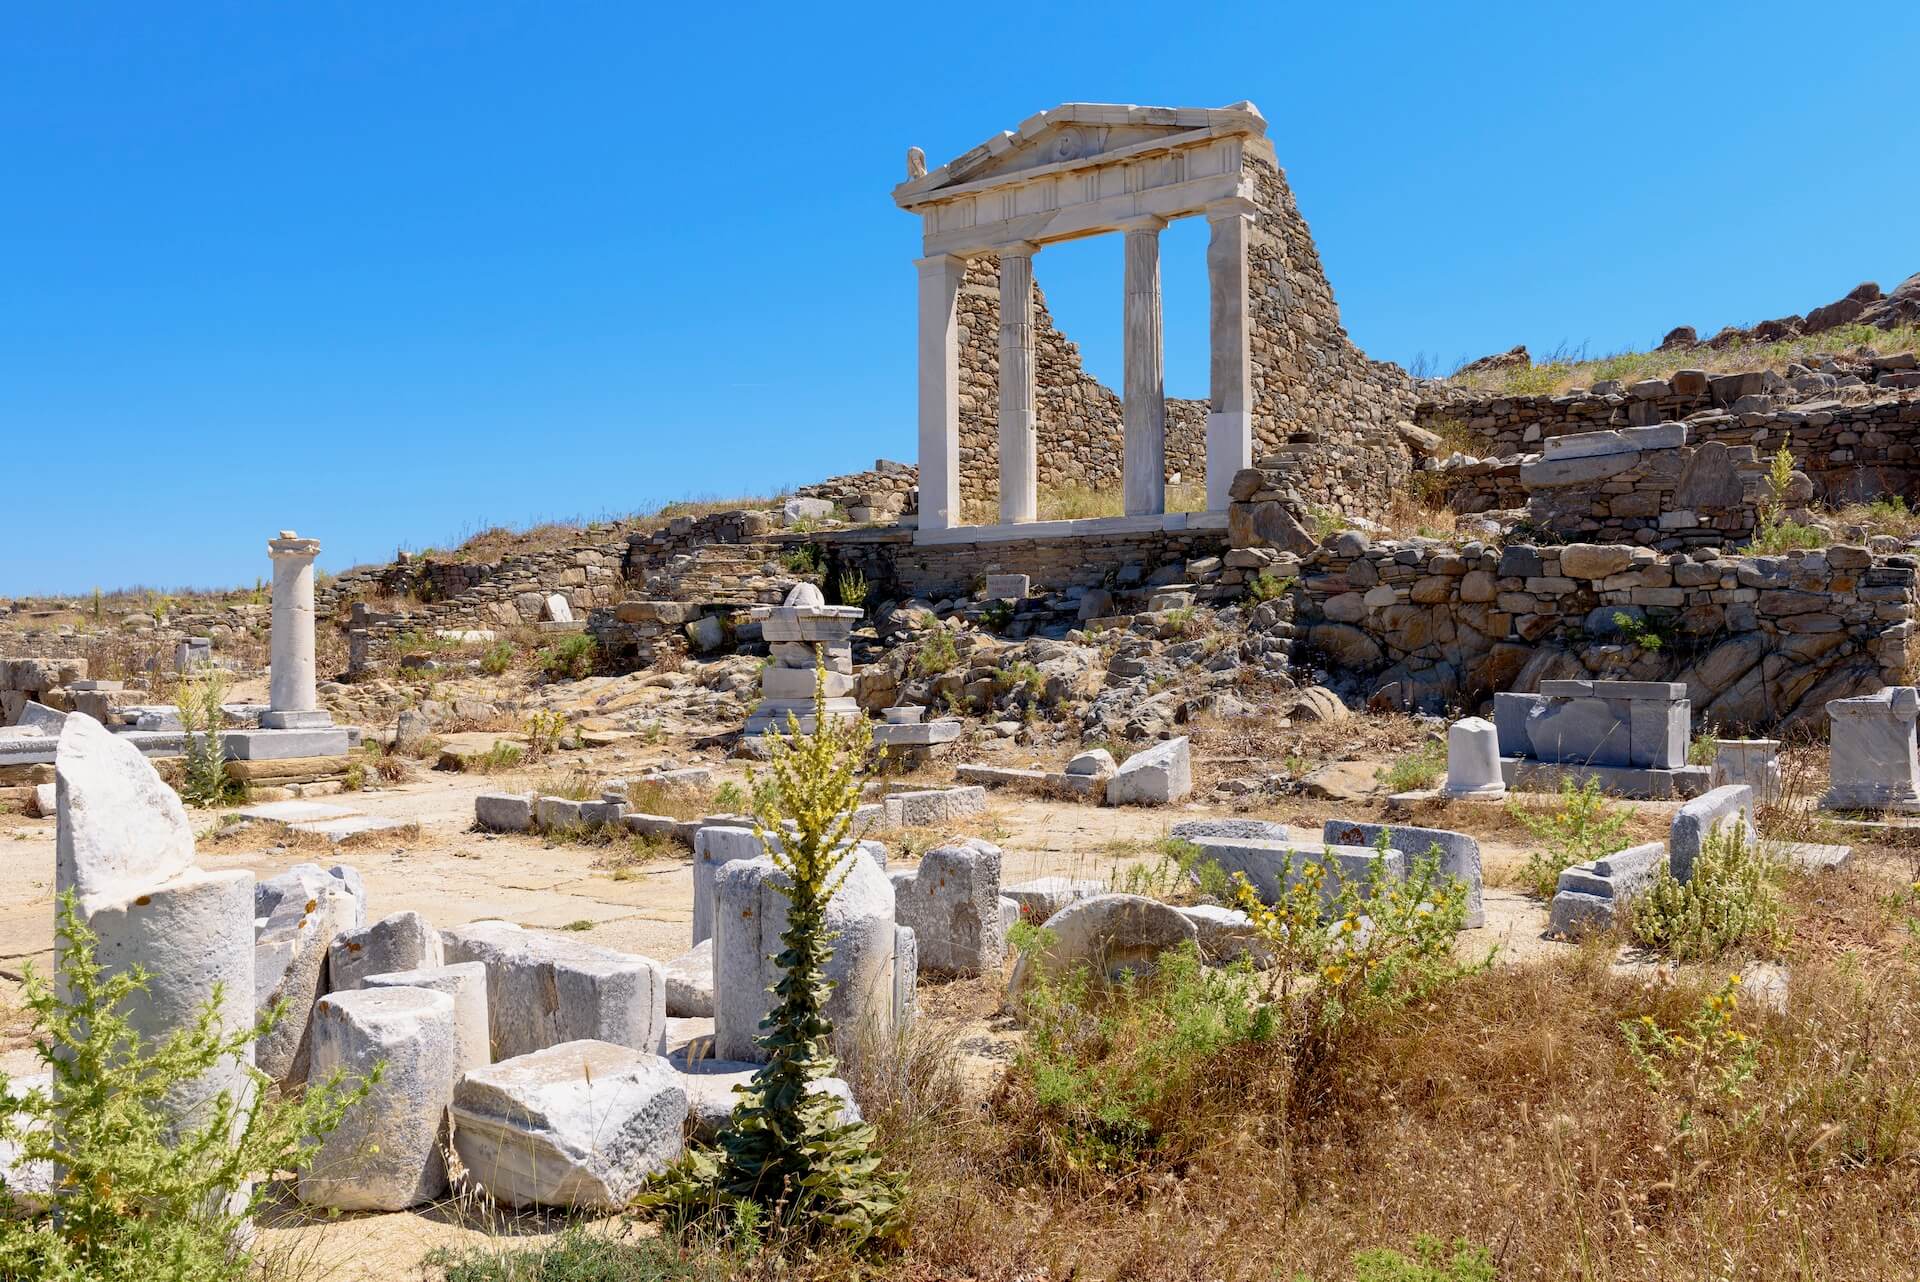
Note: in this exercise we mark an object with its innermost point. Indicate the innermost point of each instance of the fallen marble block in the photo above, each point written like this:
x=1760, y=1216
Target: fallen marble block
x=403, y=941
x=545, y=989
x=466, y=984
x=582, y=1125
x=305, y=881
x=1700, y=818
x=290, y=966
x=386, y=1154
x=1458, y=854
x=1591, y=896
x=934, y=806
x=1110, y=934
x=503, y=811
x=690, y=983
x=951, y=902
x=1157, y=776
x=1042, y=897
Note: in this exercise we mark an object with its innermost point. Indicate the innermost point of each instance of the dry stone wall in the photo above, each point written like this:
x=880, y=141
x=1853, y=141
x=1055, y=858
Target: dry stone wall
x=1762, y=642
x=896, y=567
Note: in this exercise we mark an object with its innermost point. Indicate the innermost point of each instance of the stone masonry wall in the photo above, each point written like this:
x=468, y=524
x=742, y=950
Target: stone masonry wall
x=895, y=566
x=1312, y=387
x=1762, y=642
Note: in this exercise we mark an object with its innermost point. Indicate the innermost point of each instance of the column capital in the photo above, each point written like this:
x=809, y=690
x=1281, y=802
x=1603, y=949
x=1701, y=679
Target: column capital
x=940, y=263
x=291, y=544
x=1232, y=207
x=1015, y=249
x=1142, y=223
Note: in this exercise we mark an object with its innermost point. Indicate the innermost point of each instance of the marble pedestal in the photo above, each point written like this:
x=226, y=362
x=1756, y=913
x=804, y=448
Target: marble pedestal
x=1872, y=763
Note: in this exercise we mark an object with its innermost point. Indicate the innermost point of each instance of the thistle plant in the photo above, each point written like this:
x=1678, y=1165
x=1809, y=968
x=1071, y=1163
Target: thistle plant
x=785, y=1151
x=204, y=779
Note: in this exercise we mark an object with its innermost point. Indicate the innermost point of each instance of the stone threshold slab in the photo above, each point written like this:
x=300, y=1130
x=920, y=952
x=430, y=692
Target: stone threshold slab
x=1641, y=783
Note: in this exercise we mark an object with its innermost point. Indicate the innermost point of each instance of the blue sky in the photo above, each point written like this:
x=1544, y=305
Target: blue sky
x=386, y=274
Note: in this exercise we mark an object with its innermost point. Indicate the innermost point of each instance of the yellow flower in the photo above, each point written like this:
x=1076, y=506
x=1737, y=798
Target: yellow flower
x=1335, y=973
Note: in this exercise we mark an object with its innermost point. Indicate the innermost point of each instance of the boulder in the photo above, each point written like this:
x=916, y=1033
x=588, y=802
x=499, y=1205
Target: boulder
x=1110, y=934
x=1159, y=776
x=578, y=1125
x=386, y=1154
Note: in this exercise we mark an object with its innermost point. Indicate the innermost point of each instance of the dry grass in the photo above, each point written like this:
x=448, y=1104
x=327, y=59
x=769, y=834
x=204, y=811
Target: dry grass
x=1566, y=368
x=1507, y=1112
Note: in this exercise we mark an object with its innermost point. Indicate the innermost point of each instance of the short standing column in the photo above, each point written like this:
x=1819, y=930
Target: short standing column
x=940, y=391
x=1145, y=406
x=291, y=700
x=1019, y=471
x=1230, y=418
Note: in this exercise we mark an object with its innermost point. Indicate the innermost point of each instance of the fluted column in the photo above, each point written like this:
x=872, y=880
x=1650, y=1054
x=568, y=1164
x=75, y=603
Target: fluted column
x=1230, y=414
x=291, y=699
x=940, y=390
x=1145, y=406
x=1019, y=469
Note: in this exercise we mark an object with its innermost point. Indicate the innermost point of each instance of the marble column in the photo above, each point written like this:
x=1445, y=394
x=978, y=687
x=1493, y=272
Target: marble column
x=291, y=700
x=1230, y=414
x=940, y=390
x=1144, y=408
x=1019, y=469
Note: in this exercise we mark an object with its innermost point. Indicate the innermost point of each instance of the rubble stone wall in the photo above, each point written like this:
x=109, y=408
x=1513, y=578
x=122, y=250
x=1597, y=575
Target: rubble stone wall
x=895, y=567
x=1312, y=387
x=1762, y=642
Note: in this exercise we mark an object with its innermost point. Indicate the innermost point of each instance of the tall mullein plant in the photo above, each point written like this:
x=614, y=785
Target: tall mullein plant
x=785, y=1149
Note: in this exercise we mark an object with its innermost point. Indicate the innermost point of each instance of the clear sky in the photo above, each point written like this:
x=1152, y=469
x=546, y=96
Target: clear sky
x=388, y=273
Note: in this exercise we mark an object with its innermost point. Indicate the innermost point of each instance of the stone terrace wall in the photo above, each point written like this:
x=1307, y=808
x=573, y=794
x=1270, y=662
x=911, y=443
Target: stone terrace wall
x=896, y=567
x=1311, y=386
x=488, y=594
x=1762, y=642
x=1646, y=485
x=1078, y=417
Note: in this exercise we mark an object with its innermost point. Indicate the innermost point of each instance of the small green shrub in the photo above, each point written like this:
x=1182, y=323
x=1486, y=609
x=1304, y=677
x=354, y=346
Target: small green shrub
x=203, y=775
x=142, y=1197
x=1646, y=633
x=572, y=658
x=996, y=615
x=1731, y=899
x=1181, y=868
x=729, y=798
x=1418, y=769
x=1698, y=1072
x=1268, y=586
x=1432, y=1261
x=1582, y=827
x=850, y=586
x=804, y=559
x=501, y=757
x=936, y=654
x=546, y=730
x=498, y=658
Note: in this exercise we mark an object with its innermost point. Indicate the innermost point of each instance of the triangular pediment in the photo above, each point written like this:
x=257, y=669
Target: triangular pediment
x=1077, y=134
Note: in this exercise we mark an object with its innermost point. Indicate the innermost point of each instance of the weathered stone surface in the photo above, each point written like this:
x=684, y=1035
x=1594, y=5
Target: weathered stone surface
x=1473, y=759
x=121, y=830
x=1699, y=818
x=305, y=881
x=1042, y=897
x=1593, y=561
x=1585, y=731
x=1110, y=934
x=1590, y=896
x=290, y=965
x=1871, y=761
x=544, y=989
x=581, y=1124
x=1344, y=645
x=952, y=905
x=466, y=984
x=714, y=845
x=749, y=915
x=404, y=941
x=1458, y=853
x=1156, y=776
x=386, y=1155
x=934, y=807
x=1752, y=762
x=1093, y=761
x=503, y=811
x=690, y=983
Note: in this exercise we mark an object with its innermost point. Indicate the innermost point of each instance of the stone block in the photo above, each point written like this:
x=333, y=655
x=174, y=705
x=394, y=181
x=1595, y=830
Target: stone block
x=690, y=983
x=905, y=975
x=277, y=745
x=403, y=941
x=578, y=1125
x=387, y=1153
x=120, y=829
x=290, y=965
x=797, y=683
x=503, y=811
x=1111, y=934
x=544, y=989
x=1042, y=897
x=1698, y=819
x=1510, y=713
x=1007, y=587
x=1458, y=853
x=1584, y=731
x=1871, y=761
x=41, y=719
x=934, y=807
x=1591, y=896
x=1753, y=762
x=1157, y=776
x=713, y=846
x=952, y=905
x=749, y=915
x=305, y=881
x=1473, y=759
x=466, y=984
x=1659, y=733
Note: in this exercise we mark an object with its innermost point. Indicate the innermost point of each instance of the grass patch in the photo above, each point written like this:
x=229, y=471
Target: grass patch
x=1416, y=770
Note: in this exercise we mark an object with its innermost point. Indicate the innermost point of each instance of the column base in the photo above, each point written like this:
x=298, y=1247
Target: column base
x=312, y=719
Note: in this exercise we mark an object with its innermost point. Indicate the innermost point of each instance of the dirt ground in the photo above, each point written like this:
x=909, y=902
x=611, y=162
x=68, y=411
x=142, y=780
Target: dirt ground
x=454, y=875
